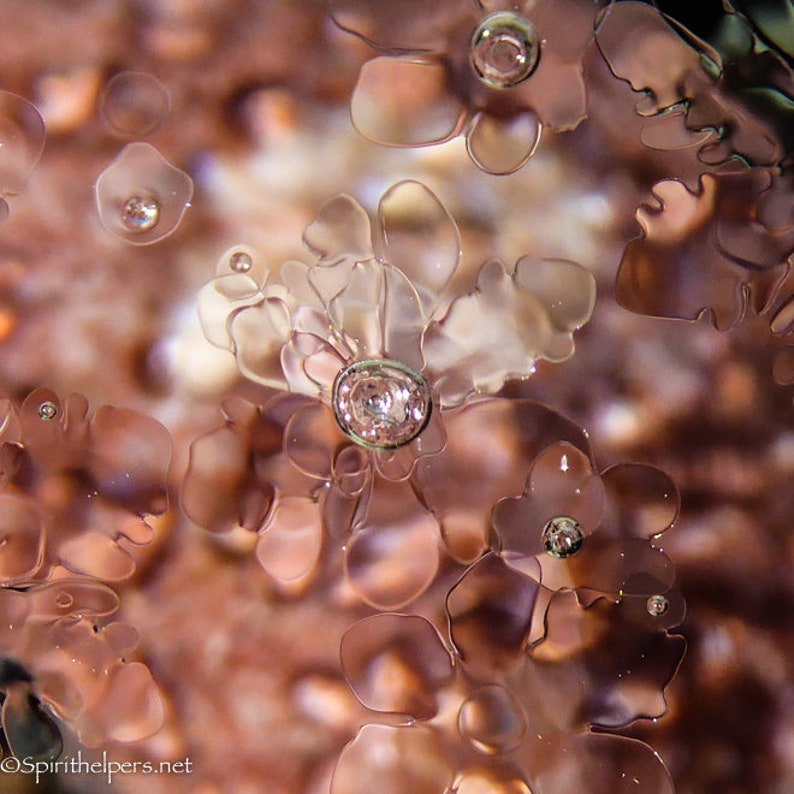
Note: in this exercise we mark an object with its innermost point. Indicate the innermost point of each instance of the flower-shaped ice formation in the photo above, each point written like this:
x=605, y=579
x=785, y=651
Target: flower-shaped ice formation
x=497, y=70
x=582, y=530
x=62, y=659
x=75, y=489
x=373, y=337
x=372, y=333
x=459, y=723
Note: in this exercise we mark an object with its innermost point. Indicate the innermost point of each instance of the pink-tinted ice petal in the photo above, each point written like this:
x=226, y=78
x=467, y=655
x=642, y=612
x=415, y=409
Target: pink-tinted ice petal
x=23, y=535
x=490, y=614
x=94, y=554
x=405, y=102
x=642, y=501
x=259, y=333
x=598, y=762
x=400, y=24
x=130, y=454
x=643, y=49
x=312, y=439
x=340, y=228
x=130, y=709
x=394, y=555
x=502, y=146
x=403, y=760
x=220, y=300
x=417, y=234
x=290, y=546
x=493, y=721
x=396, y=664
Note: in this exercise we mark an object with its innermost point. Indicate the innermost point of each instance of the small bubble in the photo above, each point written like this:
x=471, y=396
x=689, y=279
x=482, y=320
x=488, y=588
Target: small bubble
x=657, y=605
x=504, y=49
x=381, y=404
x=562, y=537
x=134, y=104
x=64, y=600
x=48, y=411
x=240, y=262
x=140, y=213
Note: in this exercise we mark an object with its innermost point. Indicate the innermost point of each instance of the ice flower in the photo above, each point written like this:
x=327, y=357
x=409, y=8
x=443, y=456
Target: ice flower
x=74, y=488
x=729, y=97
x=497, y=71
x=589, y=531
x=447, y=728
x=372, y=334
x=62, y=661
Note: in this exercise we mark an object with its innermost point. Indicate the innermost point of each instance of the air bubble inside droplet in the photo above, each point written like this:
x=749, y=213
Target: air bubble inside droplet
x=381, y=404
x=48, y=411
x=240, y=262
x=562, y=537
x=657, y=605
x=140, y=196
x=505, y=48
x=134, y=104
x=140, y=213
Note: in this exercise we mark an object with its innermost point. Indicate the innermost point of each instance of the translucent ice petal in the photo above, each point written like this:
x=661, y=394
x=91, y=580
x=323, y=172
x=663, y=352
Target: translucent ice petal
x=312, y=440
x=396, y=664
x=405, y=102
x=490, y=614
x=22, y=537
x=405, y=24
x=259, y=334
x=394, y=555
x=641, y=48
x=600, y=762
x=290, y=546
x=502, y=146
x=140, y=196
x=682, y=264
x=511, y=320
x=340, y=228
x=417, y=234
x=403, y=760
x=646, y=501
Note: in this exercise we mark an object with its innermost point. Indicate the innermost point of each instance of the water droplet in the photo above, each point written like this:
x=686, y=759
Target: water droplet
x=140, y=196
x=48, y=411
x=381, y=404
x=240, y=262
x=140, y=213
x=657, y=605
x=134, y=104
x=505, y=48
x=562, y=537
x=21, y=141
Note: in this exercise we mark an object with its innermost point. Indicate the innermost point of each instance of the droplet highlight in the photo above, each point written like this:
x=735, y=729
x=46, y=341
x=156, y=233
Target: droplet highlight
x=562, y=537
x=134, y=104
x=240, y=262
x=657, y=605
x=140, y=213
x=140, y=196
x=48, y=411
x=381, y=404
x=505, y=49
